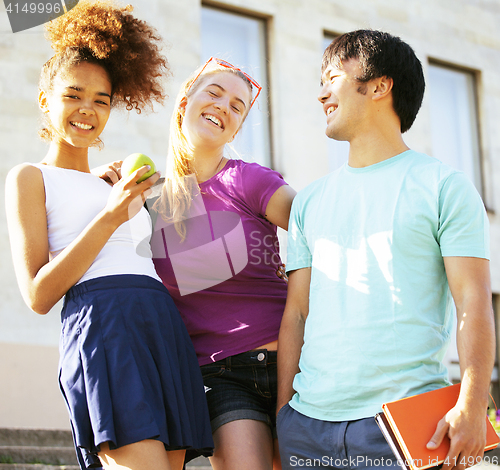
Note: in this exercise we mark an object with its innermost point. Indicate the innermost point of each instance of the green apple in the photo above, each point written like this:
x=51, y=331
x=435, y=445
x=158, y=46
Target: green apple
x=134, y=162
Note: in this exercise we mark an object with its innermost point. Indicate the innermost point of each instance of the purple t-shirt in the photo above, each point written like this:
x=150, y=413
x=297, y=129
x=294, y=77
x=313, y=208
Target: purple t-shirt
x=222, y=277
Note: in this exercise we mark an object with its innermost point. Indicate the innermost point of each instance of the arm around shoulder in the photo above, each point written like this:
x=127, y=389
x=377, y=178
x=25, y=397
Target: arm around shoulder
x=278, y=207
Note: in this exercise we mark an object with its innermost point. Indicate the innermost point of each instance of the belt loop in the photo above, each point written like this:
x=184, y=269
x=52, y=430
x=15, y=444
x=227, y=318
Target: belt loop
x=228, y=362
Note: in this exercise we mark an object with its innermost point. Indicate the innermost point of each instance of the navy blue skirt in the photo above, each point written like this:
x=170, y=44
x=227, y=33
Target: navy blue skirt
x=128, y=370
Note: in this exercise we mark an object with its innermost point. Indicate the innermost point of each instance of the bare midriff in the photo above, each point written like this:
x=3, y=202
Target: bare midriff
x=272, y=346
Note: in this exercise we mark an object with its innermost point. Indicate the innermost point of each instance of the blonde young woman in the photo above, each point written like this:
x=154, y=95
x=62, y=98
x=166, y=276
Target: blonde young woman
x=216, y=250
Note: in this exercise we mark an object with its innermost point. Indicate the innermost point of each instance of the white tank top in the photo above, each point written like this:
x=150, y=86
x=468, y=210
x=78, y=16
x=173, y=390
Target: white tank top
x=72, y=200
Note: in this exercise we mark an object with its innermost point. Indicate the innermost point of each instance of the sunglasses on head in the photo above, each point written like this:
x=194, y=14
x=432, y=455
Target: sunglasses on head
x=224, y=63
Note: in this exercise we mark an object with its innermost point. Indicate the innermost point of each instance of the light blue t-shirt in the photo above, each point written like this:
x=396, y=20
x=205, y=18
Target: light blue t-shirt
x=380, y=310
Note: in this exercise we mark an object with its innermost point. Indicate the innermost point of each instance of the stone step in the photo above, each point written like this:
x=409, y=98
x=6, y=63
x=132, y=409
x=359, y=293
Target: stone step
x=195, y=465
x=36, y=466
x=201, y=463
x=35, y=437
x=52, y=449
x=55, y=457
x=32, y=454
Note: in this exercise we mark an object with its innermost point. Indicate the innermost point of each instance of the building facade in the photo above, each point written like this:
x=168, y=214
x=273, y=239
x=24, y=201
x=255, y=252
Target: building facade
x=280, y=43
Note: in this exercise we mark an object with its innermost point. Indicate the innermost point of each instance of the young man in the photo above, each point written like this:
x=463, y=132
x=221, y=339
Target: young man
x=374, y=250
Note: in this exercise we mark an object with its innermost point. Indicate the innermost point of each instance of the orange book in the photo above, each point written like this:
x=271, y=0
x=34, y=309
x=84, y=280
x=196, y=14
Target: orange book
x=409, y=423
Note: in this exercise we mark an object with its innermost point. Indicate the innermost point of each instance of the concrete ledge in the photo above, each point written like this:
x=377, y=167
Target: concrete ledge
x=46, y=455
x=35, y=437
x=36, y=466
x=201, y=463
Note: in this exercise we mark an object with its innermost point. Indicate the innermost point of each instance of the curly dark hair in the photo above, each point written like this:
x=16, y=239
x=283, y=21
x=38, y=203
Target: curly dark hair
x=101, y=32
x=381, y=54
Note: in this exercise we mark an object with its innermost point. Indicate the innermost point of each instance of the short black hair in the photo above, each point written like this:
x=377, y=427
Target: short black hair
x=381, y=54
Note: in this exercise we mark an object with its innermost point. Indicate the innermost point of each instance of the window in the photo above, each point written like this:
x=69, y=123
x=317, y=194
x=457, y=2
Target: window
x=241, y=40
x=454, y=120
x=337, y=151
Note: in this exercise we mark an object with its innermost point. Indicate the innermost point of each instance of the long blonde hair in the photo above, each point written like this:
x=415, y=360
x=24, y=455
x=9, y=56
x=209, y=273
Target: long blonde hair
x=178, y=190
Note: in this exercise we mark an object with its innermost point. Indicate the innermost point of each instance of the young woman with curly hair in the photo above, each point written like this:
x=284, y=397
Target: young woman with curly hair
x=128, y=370
x=216, y=250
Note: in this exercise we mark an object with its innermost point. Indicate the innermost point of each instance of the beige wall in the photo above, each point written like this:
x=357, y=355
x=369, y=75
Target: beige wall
x=461, y=32
x=30, y=394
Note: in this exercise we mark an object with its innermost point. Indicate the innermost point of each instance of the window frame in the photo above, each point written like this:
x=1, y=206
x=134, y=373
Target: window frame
x=475, y=123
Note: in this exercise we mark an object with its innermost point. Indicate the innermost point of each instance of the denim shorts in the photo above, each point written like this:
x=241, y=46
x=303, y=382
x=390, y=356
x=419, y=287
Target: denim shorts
x=243, y=386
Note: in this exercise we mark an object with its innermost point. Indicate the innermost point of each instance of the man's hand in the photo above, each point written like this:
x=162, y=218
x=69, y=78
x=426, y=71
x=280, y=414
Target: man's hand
x=467, y=432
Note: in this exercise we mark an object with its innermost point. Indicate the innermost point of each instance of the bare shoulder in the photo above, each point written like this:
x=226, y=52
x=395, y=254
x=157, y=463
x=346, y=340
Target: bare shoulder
x=24, y=171
x=24, y=192
x=25, y=177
